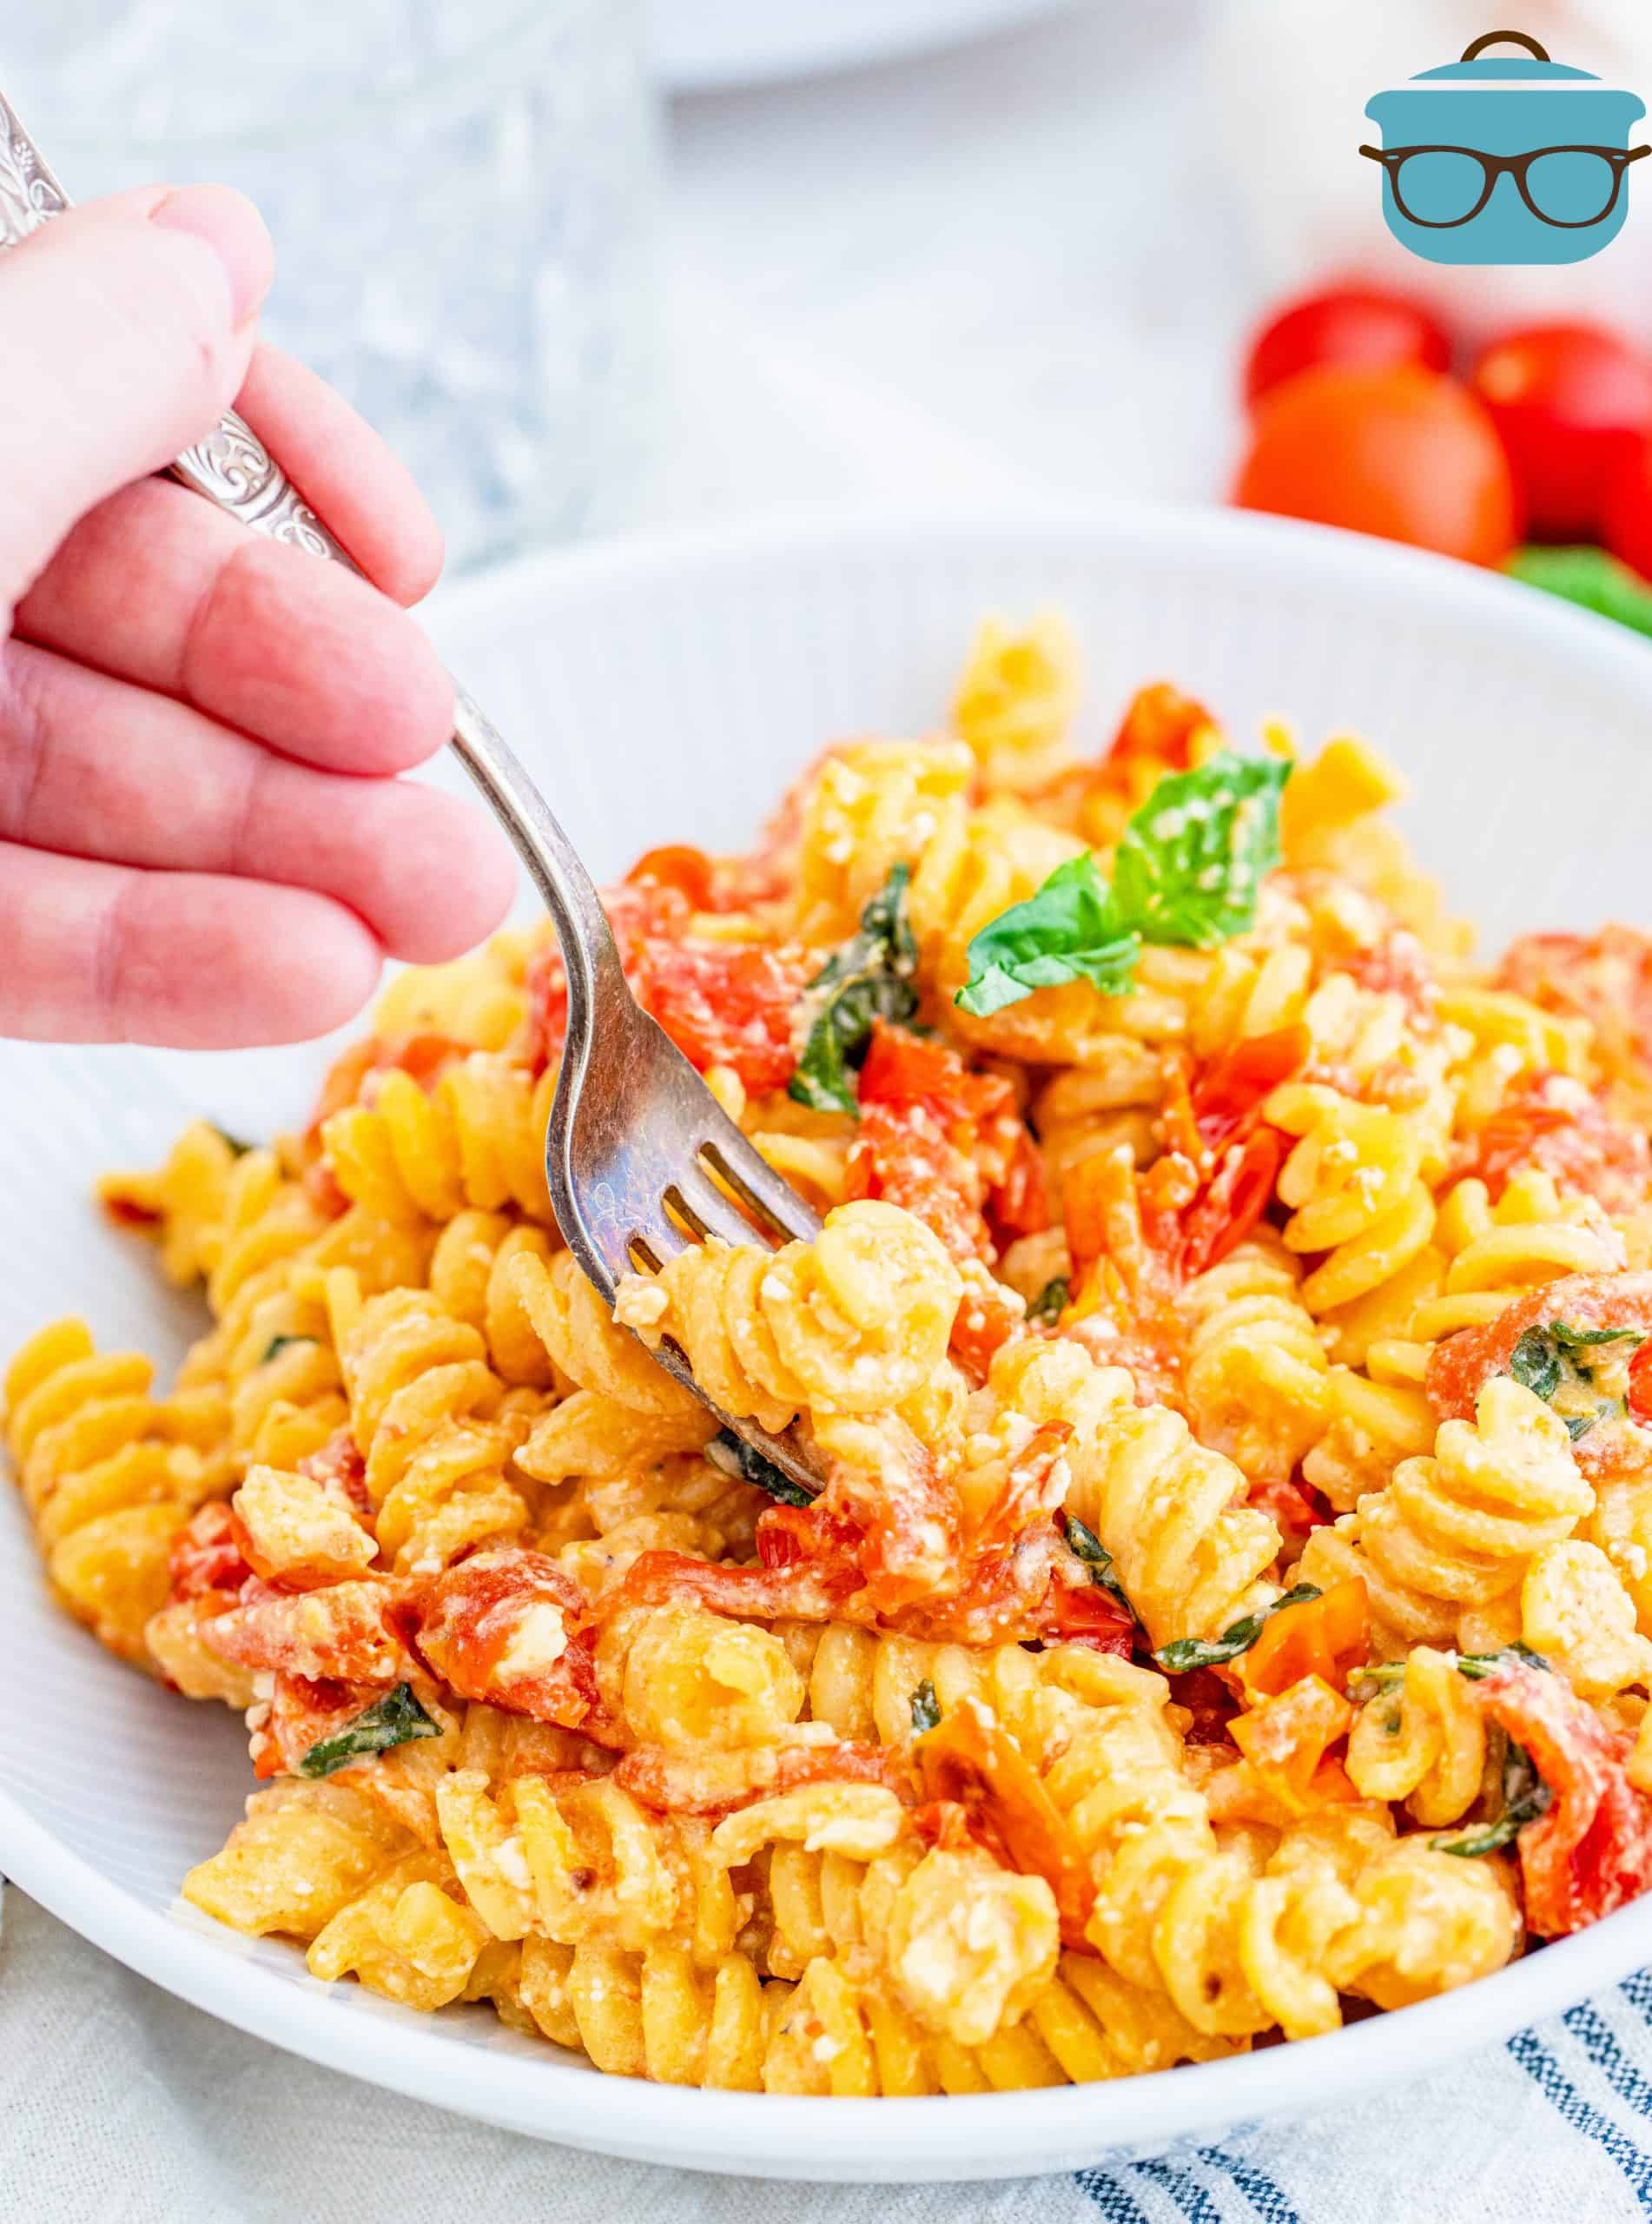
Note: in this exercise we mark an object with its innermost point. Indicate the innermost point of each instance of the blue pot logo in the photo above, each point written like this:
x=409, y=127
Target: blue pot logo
x=1510, y=159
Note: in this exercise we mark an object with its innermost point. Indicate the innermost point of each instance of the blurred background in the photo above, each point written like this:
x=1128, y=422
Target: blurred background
x=591, y=264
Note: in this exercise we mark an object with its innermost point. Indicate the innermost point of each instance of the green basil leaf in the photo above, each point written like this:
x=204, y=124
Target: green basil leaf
x=1579, y=1425
x=237, y=1146
x=1545, y=1361
x=1577, y=1339
x=1591, y=578
x=1085, y=1544
x=870, y=978
x=1051, y=1301
x=279, y=1344
x=392, y=1720
x=1535, y=1363
x=1525, y=1796
x=1067, y=932
x=1477, y=1666
x=1190, y=862
x=737, y=1459
x=926, y=1708
x=1183, y=1654
x=1188, y=870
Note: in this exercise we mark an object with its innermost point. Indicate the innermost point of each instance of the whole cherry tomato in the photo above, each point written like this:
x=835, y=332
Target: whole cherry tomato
x=1571, y=402
x=1404, y=452
x=1353, y=324
x=1626, y=512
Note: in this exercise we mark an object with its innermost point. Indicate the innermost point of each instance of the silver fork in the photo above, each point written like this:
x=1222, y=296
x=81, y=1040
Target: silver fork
x=640, y=1157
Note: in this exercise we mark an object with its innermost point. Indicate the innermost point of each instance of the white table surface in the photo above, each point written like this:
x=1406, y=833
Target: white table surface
x=937, y=281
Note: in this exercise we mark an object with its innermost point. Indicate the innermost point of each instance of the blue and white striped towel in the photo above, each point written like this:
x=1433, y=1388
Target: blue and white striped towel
x=119, y=2105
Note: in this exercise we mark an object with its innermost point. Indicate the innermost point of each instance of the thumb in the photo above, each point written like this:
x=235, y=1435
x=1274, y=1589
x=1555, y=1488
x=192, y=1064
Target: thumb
x=126, y=328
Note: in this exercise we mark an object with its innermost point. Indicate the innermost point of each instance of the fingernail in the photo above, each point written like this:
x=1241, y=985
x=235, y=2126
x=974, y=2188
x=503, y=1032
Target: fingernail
x=232, y=228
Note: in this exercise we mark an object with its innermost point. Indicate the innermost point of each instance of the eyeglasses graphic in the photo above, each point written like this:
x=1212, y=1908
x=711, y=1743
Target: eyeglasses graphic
x=1568, y=187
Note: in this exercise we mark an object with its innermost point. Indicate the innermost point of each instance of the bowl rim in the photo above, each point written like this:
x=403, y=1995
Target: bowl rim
x=554, y=2096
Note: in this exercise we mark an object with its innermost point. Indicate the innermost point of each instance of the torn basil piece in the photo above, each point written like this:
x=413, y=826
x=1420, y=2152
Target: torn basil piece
x=1067, y=932
x=237, y=1145
x=870, y=978
x=926, y=1708
x=1188, y=870
x=737, y=1459
x=1477, y=1666
x=1544, y=1361
x=393, y=1720
x=280, y=1344
x=1184, y=1654
x=1085, y=1544
x=1051, y=1302
x=1525, y=1796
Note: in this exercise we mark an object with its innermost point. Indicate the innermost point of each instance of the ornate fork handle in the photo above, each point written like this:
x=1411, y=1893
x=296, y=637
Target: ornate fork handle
x=234, y=469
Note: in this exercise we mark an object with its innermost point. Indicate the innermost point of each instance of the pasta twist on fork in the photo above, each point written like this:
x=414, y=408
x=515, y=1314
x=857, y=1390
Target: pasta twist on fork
x=855, y=1322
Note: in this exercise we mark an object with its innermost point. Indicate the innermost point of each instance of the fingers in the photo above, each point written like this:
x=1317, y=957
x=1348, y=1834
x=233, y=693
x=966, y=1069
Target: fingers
x=157, y=587
x=125, y=329
x=103, y=953
x=352, y=481
x=93, y=766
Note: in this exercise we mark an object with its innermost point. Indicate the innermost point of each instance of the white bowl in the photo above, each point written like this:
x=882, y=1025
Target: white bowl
x=665, y=689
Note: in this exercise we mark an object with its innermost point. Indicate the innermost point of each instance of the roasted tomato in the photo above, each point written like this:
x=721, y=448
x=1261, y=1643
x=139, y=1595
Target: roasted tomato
x=1459, y=1367
x=1592, y=1851
x=1604, y=978
x=206, y=1554
x=509, y=1627
x=1328, y=1637
x=968, y=1761
x=723, y=1003
x=1553, y=1123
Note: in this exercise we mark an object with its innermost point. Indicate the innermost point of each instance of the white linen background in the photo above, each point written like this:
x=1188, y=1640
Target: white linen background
x=919, y=285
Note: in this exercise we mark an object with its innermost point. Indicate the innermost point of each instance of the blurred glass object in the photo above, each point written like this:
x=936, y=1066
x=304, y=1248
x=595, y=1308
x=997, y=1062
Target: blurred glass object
x=461, y=194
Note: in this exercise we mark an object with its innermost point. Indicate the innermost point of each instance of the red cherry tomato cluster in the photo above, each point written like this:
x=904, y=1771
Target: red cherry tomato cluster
x=1356, y=421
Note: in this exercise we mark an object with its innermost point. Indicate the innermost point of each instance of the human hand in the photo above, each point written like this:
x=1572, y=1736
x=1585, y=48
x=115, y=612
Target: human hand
x=201, y=842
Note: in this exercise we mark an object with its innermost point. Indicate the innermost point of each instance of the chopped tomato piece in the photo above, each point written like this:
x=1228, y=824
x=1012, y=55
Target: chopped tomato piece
x=341, y=1633
x=969, y=1760
x=1231, y=1203
x=1226, y=1098
x=1287, y=1768
x=1553, y=1123
x=303, y=1710
x=1459, y=1367
x=511, y=1628
x=340, y=1466
x=723, y=1003
x=1398, y=965
x=127, y=1212
x=206, y=1555
x=1592, y=1851
x=1159, y=729
x=350, y=1078
x=1326, y=1638
x=1604, y=978
x=947, y=1144
x=680, y=866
